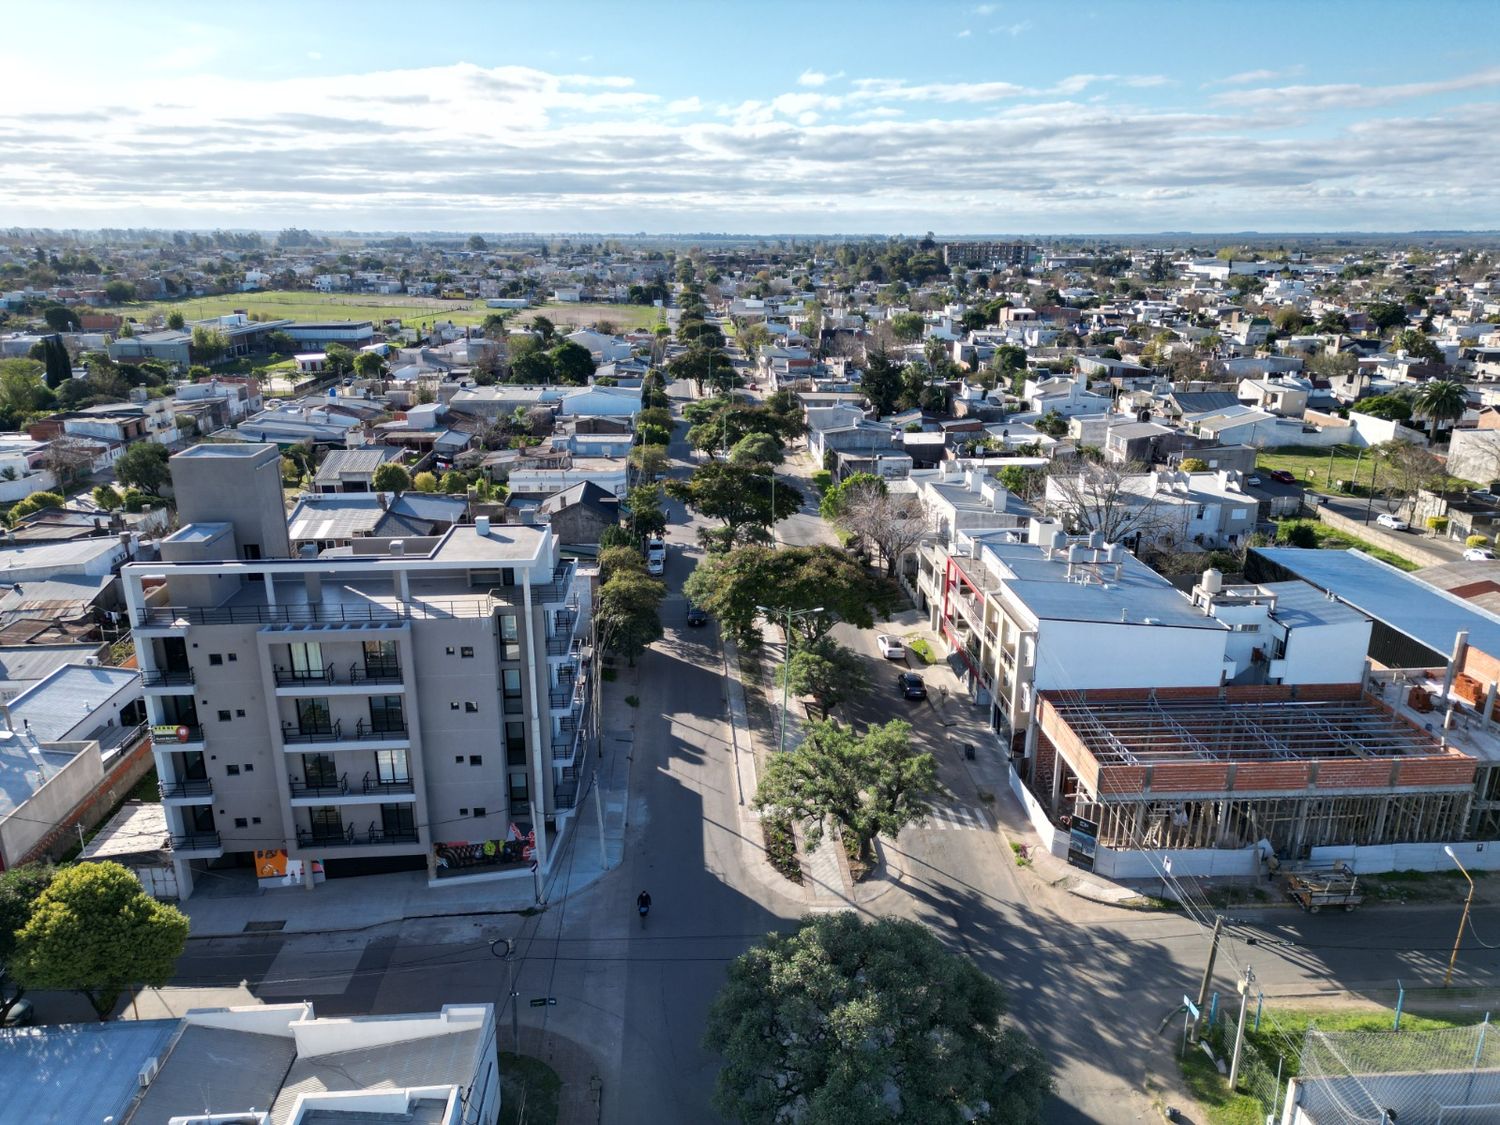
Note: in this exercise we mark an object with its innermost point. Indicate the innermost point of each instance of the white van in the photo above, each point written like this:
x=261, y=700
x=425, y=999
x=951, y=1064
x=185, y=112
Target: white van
x=656, y=556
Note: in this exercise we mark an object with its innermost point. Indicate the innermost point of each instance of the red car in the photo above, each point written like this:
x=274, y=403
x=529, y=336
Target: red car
x=1283, y=476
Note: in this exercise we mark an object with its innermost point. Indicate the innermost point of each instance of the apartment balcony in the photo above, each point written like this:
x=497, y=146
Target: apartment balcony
x=199, y=791
x=337, y=736
x=351, y=836
x=177, y=736
x=301, y=790
x=197, y=845
x=569, y=697
x=355, y=679
x=371, y=790
x=560, y=589
x=384, y=787
x=157, y=682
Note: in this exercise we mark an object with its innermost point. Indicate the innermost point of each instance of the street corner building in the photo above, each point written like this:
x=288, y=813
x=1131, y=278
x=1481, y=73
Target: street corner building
x=389, y=704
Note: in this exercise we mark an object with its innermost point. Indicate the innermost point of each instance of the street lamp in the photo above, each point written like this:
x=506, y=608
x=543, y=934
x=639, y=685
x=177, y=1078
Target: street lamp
x=1448, y=976
x=786, y=669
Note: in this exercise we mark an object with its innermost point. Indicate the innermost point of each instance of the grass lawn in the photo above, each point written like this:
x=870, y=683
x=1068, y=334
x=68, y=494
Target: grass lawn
x=1311, y=466
x=1211, y=1091
x=1329, y=539
x=528, y=1091
x=560, y=313
x=300, y=305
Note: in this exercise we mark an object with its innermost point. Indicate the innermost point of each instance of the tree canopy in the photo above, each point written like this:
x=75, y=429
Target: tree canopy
x=390, y=477
x=844, y=1020
x=20, y=887
x=95, y=930
x=740, y=496
x=143, y=465
x=629, y=615
x=1440, y=401
x=733, y=585
x=828, y=672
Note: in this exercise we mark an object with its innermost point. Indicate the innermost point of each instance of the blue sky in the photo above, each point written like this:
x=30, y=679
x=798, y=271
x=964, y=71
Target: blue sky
x=760, y=118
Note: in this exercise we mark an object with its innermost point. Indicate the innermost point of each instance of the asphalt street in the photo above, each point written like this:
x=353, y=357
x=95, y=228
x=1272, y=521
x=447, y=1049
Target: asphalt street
x=1089, y=982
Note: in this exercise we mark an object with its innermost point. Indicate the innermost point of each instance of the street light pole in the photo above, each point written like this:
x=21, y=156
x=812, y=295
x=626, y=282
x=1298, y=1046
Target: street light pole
x=786, y=668
x=1462, y=922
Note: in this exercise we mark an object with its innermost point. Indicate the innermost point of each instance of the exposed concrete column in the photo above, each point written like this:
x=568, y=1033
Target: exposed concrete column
x=270, y=588
x=539, y=752
x=1460, y=650
x=1057, y=768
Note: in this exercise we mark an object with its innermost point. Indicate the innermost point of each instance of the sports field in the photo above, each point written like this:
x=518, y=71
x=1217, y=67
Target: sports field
x=301, y=305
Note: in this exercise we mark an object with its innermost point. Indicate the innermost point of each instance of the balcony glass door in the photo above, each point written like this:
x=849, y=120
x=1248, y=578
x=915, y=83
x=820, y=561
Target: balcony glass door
x=327, y=824
x=398, y=821
x=380, y=658
x=319, y=771
x=385, y=714
x=191, y=766
x=199, y=818
x=390, y=767
x=307, y=659
x=314, y=717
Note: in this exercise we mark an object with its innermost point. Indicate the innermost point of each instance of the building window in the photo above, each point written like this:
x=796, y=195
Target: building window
x=471, y=707
x=224, y=716
x=390, y=767
x=463, y=812
x=386, y=716
x=307, y=659
x=510, y=680
x=449, y=650
x=215, y=658
x=255, y=820
x=241, y=822
x=466, y=652
x=232, y=771
x=233, y=657
x=515, y=744
x=510, y=644
x=239, y=713
x=314, y=716
x=252, y=551
x=478, y=810
x=249, y=767
x=458, y=759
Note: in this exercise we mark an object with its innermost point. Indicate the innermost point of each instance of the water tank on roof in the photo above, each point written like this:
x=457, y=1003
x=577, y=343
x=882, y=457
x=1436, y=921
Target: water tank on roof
x=1213, y=581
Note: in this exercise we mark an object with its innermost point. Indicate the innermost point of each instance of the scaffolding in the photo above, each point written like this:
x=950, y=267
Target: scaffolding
x=1220, y=770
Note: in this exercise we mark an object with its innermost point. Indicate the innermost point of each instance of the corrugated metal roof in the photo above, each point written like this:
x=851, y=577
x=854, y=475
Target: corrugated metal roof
x=79, y=1072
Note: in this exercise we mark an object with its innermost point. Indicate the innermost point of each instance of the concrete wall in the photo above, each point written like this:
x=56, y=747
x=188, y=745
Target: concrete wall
x=90, y=806
x=1407, y=544
x=1090, y=654
x=1474, y=855
x=1053, y=838
x=1185, y=861
x=70, y=786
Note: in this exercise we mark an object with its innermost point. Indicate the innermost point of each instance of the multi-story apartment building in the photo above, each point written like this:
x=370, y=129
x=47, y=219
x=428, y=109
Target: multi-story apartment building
x=400, y=704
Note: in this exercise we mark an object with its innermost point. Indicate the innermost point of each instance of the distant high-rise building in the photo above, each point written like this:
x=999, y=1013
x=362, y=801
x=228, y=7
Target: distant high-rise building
x=987, y=254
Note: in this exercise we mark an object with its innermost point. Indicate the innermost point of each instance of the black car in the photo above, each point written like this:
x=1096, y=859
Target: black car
x=696, y=615
x=911, y=686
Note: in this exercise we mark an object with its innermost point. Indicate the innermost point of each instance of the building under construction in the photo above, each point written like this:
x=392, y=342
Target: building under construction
x=1300, y=767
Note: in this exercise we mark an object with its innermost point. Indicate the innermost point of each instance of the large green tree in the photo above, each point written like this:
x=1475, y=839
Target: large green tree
x=20, y=887
x=56, y=362
x=629, y=615
x=571, y=363
x=1415, y=343
x=907, y=326
x=881, y=383
x=95, y=930
x=844, y=1021
x=828, y=672
x=390, y=477
x=645, y=515
x=143, y=465
x=733, y=586
x=739, y=496
x=869, y=785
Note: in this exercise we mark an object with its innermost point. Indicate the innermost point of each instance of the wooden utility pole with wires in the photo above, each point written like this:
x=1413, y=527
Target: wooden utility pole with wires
x=1208, y=971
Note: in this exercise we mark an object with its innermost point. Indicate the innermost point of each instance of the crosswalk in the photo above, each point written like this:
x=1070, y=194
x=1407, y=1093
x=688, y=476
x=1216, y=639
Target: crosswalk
x=958, y=817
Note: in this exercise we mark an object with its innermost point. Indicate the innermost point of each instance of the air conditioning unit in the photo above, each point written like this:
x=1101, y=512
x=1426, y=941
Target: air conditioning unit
x=148, y=1072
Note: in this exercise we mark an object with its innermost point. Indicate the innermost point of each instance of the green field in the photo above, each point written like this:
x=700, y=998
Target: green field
x=298, y=305
x=1312, y=467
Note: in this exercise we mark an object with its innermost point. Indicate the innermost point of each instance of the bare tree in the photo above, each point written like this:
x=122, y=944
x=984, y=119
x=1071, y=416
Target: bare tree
x=894, y=522
x=1118, y=501
x=1407, y=468
x=68, y=459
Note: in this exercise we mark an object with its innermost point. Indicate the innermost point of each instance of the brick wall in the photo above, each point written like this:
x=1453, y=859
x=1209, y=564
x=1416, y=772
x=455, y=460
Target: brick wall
x=121, y=778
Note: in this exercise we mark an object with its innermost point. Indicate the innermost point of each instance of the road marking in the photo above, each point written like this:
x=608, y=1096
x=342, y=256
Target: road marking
x=958, y=817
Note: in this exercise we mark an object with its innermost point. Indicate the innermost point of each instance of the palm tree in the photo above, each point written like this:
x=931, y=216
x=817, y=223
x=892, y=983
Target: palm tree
x=1439, y=401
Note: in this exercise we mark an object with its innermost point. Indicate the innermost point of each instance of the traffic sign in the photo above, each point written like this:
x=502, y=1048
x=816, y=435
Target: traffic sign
x=543, y=1001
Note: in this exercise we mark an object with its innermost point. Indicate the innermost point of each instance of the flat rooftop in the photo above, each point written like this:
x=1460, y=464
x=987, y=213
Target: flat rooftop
x=1429, y=616
x=65, y=699
x=219, y=449
x=77, y=1072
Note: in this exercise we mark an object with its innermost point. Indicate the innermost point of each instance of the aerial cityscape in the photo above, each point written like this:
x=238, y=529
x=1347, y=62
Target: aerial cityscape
x=751, y=563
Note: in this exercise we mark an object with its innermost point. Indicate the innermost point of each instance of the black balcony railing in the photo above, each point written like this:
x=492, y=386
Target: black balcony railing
x=332, y=615
x=350, y=836
x=327, y=787
x=158, y=678
x=388, y=785
x=291, y=677
x=199, y=787
x=313, y=732
x=375, y=672
x=388, y=729
x=196, y=842
x=165, y=734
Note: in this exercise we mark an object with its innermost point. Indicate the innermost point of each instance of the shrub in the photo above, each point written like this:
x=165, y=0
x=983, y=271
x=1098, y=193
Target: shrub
x=1477, y=541
x=781, y=846
x=1299, y=535
x=1438, y=524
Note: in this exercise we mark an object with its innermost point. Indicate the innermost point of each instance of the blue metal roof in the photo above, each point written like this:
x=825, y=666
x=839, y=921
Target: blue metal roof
x=1427, y=615
x=80, y=1072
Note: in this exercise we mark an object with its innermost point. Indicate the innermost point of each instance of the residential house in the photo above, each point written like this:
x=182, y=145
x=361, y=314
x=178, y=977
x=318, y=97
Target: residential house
x=1173, y=509
x=165, y=345
x=577, y=515
x=329, y=520
x=352, y=470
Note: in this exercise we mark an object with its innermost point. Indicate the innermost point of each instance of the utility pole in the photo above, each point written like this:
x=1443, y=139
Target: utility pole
x=786, y=668
x=510, y=988
x=1208, y=970
x=1239, y=1027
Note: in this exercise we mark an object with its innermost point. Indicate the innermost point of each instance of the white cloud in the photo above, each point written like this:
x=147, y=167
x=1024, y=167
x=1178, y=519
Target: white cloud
x=1245, y=77
x=1351, y=95
x=984, y=9
x=964, y=34
x=685, y=105
x=1012, y=29
x=817, y=78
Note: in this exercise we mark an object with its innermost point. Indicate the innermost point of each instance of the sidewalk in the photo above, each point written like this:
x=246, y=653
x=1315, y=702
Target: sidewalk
x=987, y=778
x=578, y=856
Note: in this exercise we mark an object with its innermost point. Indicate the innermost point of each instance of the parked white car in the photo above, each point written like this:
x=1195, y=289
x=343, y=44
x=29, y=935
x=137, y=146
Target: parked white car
x=1392, y=521
x=891, y=647
x=1478, y=554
